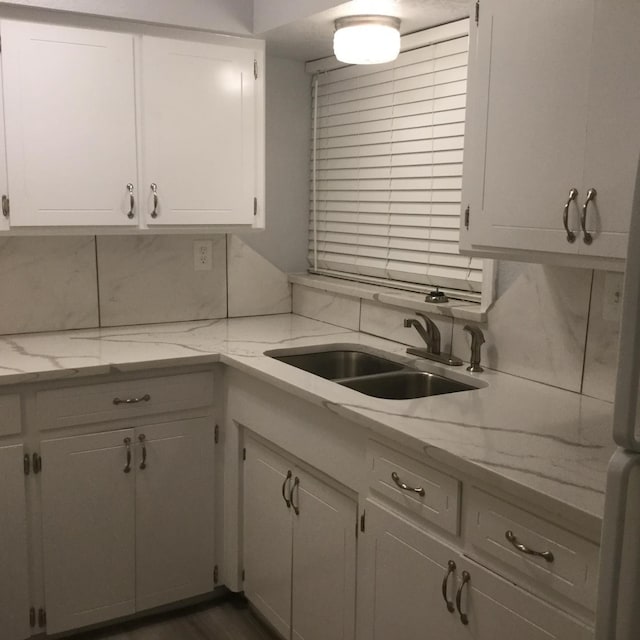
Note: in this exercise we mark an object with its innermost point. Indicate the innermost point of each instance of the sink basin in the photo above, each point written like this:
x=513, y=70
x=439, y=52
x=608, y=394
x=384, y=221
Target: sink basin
x=338, y=364
x=404, y=385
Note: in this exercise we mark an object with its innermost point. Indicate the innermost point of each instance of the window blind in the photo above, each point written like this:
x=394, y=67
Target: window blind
x=387, y=170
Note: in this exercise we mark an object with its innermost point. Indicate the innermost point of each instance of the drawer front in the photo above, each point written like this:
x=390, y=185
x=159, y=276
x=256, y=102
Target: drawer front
x=60, y=408
x=10, y=422
x=429, y=494
x=570, y=567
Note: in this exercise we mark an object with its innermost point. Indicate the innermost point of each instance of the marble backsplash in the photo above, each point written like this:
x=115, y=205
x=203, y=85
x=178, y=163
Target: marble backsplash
x=555, y=325
x=57, y=283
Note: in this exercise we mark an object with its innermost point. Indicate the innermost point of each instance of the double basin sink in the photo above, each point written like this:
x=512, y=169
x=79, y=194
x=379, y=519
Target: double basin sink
x=373, y=375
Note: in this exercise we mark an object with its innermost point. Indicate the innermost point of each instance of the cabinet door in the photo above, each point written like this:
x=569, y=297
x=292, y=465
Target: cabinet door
x=401, y=570
x=198, y=133
x=525, y=139
x=14, y=566
x=88, y=528
x=70, y=120
x=496, y=607
x=324, y=562
x=175, y=464
x=613, y=134
x=267, y=535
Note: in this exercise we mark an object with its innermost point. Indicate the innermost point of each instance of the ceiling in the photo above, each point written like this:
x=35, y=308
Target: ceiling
x=311, y=38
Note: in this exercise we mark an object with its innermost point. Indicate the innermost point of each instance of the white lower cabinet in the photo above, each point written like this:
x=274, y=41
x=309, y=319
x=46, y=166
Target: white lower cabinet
x=14, y=585
x=299, y=548
x=414, y=586
x=128, y=520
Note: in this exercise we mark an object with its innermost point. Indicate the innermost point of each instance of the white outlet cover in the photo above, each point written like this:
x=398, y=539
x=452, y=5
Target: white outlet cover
x=612, y=298
x=202, y=255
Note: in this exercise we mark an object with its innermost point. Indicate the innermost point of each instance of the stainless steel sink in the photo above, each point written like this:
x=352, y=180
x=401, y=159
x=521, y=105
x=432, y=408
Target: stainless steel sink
x=404, y=385
x=338, y=364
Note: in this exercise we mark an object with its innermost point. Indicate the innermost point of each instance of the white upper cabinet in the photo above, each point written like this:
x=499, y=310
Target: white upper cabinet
x=551, y=136
x=121, y=130
x=198, y=108
x=70, y=125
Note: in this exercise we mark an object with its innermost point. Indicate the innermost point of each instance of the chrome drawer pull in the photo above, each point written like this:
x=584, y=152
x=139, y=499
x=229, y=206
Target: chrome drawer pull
x=466, y=577
x=154, y=190
x=405, y=487
x=132, y=201
x=145, y=398
x=571, y=236
x=510, y=536
x=587, y=238
x=143, y=442
x=451, y=567
x=284, y=488
x=127, y=444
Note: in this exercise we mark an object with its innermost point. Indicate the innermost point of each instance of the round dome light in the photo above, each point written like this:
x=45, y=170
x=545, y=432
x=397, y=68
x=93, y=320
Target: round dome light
x=367, y=39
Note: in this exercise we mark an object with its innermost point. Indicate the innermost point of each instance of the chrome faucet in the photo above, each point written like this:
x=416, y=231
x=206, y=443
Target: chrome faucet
x=477, y=340
x=430, y=334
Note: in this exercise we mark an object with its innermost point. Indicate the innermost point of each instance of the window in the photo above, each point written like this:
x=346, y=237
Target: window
x=387, y=171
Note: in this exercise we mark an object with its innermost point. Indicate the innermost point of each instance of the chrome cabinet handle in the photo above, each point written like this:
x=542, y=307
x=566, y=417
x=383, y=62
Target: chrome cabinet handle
x=127, y=444
x=296, y=484
x=145, y=398
x=405, y=487
x=284, y=488
x=510, y=536
x=132, y=201
x=143, y=441
x=451, y=567
x=571, y=236
x=466, y=577
x=587, y=238
x=154, y=189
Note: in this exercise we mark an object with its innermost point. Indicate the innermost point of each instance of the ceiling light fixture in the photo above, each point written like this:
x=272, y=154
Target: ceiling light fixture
x=367, y=39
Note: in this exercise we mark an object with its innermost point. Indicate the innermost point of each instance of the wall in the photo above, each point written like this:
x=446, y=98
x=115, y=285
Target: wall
x=554, y=325
x=227, y=16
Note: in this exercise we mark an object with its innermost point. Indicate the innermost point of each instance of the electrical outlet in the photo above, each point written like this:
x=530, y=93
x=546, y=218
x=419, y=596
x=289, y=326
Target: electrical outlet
x=202, y=255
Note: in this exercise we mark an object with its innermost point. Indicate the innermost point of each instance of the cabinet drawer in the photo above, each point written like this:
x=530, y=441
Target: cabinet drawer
x=59, y=408
x=429, y=494
x=570, y=570
x=10, y=422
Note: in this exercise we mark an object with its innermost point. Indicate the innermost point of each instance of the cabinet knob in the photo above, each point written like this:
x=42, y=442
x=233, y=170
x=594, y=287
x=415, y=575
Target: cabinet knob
x=510, y=536
x=405, y=487
x=464, y=618
x=451, y=567
x=127, y=445
x=284, y=489
x=143, y=442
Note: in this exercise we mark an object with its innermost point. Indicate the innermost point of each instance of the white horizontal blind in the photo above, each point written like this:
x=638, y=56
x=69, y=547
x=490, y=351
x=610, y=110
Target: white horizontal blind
x=388, y=170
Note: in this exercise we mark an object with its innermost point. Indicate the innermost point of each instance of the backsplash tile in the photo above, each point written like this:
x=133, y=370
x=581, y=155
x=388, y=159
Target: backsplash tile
x=537, y=326
x=334, y=308
x=601, y=357
x=152, y=279
x=47, y=284
x=256, y=287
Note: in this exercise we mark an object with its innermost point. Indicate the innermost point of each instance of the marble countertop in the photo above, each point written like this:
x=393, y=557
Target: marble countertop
x=546, y=444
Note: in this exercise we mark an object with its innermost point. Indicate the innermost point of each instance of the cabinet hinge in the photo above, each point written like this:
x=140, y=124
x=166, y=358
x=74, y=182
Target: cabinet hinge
x=42, y=618
x=255, y=69
x=26, y=464
x=32, y=617
x=6, y=206
x=362, y=519
x=36, y=462
x=477, y=11
x=215, y=574
x=255, y=206
x=216, y=434
x=467, y=213
x=244, y=453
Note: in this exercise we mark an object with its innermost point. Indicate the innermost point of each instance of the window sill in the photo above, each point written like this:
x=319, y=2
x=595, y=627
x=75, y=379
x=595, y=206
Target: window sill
x=391, y=297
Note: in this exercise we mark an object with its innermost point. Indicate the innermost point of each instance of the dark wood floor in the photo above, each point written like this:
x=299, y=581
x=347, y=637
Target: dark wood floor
x=223, y=620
